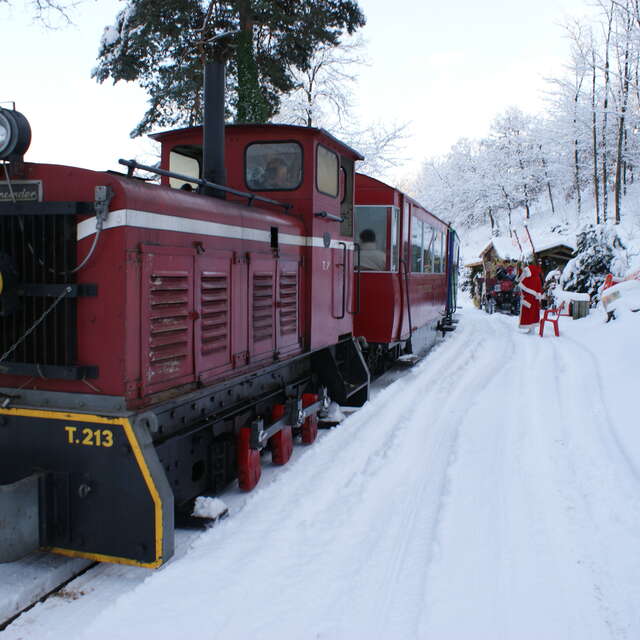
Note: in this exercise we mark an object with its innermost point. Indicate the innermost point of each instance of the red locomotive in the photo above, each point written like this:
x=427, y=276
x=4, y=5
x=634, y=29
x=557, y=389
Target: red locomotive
x=157, y=338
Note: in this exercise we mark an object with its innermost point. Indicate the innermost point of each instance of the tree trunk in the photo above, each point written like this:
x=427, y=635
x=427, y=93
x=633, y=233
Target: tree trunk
x=624, y=91
x=252, y=106
x=576, y=150
x=605, y=107
x=546, y=175
x=594, y=137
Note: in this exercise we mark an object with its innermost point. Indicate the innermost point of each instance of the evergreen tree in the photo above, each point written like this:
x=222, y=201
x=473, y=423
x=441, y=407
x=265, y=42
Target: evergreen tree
x=599, y=252
x=162, y=44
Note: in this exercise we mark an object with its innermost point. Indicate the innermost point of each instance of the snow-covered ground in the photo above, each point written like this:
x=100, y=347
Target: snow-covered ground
x=492, y=492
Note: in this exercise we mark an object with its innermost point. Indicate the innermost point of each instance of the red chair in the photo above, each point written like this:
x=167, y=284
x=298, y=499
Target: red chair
x=551, y=315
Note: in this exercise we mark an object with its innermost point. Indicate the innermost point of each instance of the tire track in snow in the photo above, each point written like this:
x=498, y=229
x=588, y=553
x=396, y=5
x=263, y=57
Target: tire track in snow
x=611, y=438
x=601, y=489
x=418, y=539
x=507, y=568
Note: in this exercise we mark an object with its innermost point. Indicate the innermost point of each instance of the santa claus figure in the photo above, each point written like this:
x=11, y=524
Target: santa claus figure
x=530, y=284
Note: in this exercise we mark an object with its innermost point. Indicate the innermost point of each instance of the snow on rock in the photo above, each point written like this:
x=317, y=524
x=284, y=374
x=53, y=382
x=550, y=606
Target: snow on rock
x=206, y=507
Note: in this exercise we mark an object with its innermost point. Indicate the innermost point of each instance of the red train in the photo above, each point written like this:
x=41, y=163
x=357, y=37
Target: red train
x=156, y=339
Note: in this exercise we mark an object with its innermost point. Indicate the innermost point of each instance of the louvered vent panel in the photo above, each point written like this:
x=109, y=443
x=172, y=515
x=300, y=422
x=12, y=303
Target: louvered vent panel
x=262, y=307
x=288, y=303
x=169, y=320
x=215, y=313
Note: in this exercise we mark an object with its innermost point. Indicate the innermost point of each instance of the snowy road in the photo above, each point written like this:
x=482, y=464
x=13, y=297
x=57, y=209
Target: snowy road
x=492, y=492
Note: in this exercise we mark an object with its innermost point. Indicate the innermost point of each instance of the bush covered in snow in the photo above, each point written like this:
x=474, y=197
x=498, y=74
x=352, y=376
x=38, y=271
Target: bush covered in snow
x=599, y=252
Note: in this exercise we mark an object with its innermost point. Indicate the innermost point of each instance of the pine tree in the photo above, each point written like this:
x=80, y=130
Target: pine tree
x=599, y=252
x=162, y=44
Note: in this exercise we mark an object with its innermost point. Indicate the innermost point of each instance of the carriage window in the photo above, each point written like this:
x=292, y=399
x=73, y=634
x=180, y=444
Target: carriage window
x=429, y=242
x=395, y=237
x=187, y=166
x=437, y=253
x=371, y=233
x=416, y=246
x=327, y=171
x=273, y=166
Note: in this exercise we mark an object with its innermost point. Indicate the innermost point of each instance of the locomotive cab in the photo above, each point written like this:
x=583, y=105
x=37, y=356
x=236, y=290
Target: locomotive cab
x=303, y=166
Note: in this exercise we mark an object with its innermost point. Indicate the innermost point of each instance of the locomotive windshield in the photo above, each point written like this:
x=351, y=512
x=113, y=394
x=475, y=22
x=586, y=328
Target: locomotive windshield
x=273, y=166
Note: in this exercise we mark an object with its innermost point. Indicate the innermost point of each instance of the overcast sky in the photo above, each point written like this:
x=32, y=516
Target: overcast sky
x=447, y=67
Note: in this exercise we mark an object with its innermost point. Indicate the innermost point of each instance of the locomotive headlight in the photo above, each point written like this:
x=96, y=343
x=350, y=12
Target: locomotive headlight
x=15, y=134
x=5, y=132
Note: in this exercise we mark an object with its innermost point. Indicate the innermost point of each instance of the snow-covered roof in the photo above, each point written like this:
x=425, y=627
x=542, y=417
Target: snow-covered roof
x=508, y=248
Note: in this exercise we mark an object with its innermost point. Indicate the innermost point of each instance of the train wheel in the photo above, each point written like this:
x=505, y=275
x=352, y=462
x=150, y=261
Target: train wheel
x=309, y=429
x=249, y=468
x=281, y=443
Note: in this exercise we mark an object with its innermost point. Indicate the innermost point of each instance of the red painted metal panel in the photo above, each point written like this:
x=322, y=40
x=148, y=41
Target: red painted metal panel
x=213, y=304
x=288, y=305
x=167, y=317
x=262, y=296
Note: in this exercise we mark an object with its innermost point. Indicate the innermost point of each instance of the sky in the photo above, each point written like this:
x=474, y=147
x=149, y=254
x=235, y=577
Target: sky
x=447, y=69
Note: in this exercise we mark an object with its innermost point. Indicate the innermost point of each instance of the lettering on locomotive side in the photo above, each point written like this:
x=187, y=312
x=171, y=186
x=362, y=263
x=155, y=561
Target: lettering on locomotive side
x=21, y=191
x=89, y=437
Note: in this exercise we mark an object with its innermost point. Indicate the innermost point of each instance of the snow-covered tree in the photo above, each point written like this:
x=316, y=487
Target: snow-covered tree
x=323, y=97
x=599, y=252
x=49, y=13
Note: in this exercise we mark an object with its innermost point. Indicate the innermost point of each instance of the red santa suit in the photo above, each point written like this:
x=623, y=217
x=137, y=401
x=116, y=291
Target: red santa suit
x=530, y=283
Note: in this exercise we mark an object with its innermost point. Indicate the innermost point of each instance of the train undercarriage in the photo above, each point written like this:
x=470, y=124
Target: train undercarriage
x=109, y=483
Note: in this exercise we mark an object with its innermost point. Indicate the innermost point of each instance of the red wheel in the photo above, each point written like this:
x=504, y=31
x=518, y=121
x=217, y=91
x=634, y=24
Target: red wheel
x=249, y=469
x=310, y=430
x=282, y=442
x=310, y=425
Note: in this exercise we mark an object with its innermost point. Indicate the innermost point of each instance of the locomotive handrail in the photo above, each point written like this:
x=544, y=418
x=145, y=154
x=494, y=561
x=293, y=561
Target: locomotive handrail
x=403, y=262
x=344, y=281
x=356, y=246
x=328, y=216
x=132, y=165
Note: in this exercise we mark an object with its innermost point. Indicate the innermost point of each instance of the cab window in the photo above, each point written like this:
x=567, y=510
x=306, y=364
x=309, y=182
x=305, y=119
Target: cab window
x=327, y=171
x=273, y=166
x=187, y=165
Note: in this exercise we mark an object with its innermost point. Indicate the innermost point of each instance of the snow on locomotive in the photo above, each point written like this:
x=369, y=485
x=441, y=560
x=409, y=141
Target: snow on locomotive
x=156, y=339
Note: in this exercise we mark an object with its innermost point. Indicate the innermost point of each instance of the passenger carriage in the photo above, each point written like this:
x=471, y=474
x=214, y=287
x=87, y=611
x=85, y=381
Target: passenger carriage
x=403, y=303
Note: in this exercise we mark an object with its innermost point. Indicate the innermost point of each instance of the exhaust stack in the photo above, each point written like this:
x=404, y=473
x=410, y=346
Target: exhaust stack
x=213, y=169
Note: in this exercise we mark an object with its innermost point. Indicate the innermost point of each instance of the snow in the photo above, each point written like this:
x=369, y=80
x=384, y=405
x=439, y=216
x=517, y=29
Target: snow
x=490, y=492
x=567, y=296
x=508, y=248
x=206, y=507
x=32, y=578
x=110, y=36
